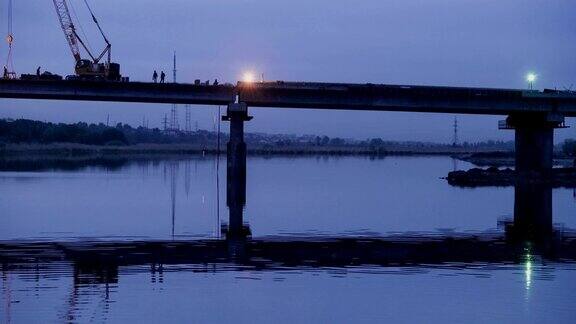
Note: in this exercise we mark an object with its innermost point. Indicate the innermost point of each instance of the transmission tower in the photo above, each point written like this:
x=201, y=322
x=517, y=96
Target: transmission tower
x=165, y=123
x=174, y=125
x=455, y=136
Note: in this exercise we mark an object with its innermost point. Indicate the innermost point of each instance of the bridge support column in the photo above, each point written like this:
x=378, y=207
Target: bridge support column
x=237, y=114
x=534, y=142
x=534, y=151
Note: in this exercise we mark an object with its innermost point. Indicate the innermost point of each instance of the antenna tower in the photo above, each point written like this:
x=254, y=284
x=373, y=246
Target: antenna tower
x=174, y=126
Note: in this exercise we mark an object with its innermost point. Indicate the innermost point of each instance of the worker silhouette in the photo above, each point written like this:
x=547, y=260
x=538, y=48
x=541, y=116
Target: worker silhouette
x=155, y=76
x=5, y=75
x=162, y=77
x=38, y=71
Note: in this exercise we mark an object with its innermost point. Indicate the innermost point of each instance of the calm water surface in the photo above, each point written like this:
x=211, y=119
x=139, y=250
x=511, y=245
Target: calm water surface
x=54, y=215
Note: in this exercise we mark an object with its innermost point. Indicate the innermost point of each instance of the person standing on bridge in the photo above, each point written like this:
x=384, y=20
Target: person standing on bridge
x=162, y=77
x=38, y=71
x=5, y=75
x=155, y=76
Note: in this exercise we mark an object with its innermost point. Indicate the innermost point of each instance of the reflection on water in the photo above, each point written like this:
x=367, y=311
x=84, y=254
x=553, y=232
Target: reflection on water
x=173, y=167
x=47, y=163
x=455, y=163
x=93, y=277
x=141, y=242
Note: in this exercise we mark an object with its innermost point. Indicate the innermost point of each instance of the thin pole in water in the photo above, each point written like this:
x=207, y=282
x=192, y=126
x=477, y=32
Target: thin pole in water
x=173, y=169
x=218, y=178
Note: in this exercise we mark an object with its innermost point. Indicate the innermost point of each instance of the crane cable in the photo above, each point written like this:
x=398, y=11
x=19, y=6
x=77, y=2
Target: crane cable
x=9, y=17
x=96, y=22
x=9, y=66
x=86, y=39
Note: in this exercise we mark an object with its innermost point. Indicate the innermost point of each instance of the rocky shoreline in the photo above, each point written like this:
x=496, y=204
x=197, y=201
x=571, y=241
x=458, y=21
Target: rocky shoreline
x=477, y=177
x=507, y=159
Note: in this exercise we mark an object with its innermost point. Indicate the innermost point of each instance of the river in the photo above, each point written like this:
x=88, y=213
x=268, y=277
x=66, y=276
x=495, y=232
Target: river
x=56, y=214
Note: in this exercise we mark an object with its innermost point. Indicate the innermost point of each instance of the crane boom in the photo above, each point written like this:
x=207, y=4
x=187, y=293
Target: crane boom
x=68, y=27
x=86, y=69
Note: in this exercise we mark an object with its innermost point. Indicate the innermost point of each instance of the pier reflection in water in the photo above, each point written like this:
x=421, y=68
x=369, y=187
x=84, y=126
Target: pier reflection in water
x=100, y=271
x=533, y=211
x=112, y=279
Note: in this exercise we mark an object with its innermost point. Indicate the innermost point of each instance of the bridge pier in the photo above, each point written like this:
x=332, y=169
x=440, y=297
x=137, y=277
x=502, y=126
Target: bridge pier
x=237, y=114
x=534, y=140
x=534, y=159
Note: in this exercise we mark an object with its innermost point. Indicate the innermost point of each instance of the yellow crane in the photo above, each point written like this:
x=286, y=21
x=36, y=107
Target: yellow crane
x=86, y=69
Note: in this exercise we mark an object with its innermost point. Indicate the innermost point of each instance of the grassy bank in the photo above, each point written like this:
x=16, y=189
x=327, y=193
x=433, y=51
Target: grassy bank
x=68, y=149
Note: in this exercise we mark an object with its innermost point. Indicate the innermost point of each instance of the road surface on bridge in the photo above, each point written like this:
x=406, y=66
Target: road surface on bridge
x=281, y=94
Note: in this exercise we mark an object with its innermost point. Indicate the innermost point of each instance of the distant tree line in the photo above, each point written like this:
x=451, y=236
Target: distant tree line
x=30, y=131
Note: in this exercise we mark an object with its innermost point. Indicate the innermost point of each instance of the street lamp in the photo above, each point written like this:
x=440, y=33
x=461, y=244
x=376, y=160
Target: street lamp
x=531, y=77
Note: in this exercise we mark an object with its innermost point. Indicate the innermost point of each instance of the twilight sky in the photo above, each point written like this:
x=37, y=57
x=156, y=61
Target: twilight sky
x=484, y=43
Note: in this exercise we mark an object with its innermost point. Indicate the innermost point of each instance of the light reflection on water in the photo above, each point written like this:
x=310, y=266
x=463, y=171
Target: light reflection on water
x=61, y=291
x=334, y=240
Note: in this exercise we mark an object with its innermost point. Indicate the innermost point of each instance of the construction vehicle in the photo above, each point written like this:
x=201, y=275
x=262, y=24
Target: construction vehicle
x=87, y=69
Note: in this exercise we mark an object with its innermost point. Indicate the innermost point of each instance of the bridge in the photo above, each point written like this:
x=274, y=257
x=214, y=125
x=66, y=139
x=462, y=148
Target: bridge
x=280, y=94
x=532, y=114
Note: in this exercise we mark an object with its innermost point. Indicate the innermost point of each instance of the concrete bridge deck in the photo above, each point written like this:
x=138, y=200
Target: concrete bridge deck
x=341, y=96
x=169, y=93
x=382, y=97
